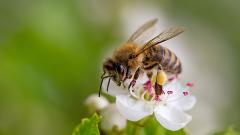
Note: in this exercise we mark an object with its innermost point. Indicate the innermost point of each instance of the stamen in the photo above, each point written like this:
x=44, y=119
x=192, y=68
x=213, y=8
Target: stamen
x=153, y=98
x=143, y=94
x=189, y=84
x=157, y=98
x=169, y=92
x=152, y=93
x=185, y=93
x=162, y=92
x=148, y=86
x=171, y=78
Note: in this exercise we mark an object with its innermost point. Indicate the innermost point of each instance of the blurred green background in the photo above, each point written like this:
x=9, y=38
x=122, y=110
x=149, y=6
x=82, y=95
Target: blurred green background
x=51, y=53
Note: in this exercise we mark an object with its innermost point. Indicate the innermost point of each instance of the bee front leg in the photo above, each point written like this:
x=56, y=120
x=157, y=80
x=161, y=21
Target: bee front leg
x=128, y=75
x=135, y=77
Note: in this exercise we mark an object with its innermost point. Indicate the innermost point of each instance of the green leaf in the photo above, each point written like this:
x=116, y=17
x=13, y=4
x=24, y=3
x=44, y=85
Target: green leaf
x=229, y=131
x=88, y=126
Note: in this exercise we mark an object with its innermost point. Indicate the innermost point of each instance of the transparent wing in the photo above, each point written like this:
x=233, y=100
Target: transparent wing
x=162, y=37
x=165, y=35
x=139, y=32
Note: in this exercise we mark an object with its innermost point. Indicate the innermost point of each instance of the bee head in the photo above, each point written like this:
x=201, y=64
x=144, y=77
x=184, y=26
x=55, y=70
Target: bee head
x=115, y=69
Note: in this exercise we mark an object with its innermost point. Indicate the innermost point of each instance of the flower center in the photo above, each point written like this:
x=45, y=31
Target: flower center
x=171, y=92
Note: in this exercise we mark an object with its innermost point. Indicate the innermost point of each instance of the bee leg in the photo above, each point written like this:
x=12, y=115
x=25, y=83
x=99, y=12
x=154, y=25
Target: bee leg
x=100, y=87
x=159, y=81
x=127, y=75
x=158, y=89
x=135, y=77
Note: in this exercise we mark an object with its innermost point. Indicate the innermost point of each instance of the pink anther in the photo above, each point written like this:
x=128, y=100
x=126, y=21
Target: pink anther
x=169, y=92
x=171, y=78
x=189, y=84
x=157, y=98
x=162, y=92
x=185, y=93
x=148, y=86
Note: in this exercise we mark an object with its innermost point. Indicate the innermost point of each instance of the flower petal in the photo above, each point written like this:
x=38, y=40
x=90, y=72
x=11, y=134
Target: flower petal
x=171, y=118
x=185, y=103
x=143, y=78
x=131, y=108
x=176, y=87
x=113, y=88
x=111, y=117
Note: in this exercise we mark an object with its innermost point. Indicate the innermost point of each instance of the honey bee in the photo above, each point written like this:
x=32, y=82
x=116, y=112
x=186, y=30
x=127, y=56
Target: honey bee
x=132, y=59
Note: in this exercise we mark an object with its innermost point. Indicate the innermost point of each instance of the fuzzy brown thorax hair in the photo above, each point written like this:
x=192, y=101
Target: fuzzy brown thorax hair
x=122, y=54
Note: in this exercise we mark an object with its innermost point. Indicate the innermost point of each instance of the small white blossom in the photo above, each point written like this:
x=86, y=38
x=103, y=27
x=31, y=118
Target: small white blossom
x=168, y=108
x=112, y=118
x=95, y=103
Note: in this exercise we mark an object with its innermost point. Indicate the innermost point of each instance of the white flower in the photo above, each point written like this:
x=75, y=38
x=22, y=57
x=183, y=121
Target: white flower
x=168, y=108
x=112, y=118
x=95, y=103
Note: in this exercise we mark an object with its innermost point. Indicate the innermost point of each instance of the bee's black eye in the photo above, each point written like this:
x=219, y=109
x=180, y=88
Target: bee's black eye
x=120, y=68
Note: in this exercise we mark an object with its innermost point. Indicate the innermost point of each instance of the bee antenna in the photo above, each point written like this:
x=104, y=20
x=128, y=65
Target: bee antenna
x=108, y=83
x=100, y=88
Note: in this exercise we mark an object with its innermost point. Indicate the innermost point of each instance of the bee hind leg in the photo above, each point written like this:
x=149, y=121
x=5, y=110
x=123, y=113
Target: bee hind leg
x=160, y=80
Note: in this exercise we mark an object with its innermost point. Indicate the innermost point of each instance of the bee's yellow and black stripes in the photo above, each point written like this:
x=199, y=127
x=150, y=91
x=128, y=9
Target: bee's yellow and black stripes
x=163, y=56
x=170, y=62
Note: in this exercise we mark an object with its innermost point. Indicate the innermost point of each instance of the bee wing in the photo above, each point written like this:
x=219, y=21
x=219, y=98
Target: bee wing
x=139, y=32
x=162, y=37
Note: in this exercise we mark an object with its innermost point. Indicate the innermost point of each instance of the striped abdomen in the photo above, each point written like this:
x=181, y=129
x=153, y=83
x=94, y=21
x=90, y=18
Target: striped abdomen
x=163, y=56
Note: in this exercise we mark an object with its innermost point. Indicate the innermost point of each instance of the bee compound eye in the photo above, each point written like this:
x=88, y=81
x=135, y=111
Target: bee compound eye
x=120, y=68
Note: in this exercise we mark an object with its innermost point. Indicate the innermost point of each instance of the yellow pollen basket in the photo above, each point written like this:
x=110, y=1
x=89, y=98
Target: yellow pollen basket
x=161, y=77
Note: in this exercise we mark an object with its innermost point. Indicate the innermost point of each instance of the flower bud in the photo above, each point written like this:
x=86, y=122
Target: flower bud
x=95, y=103
x=112, y=119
